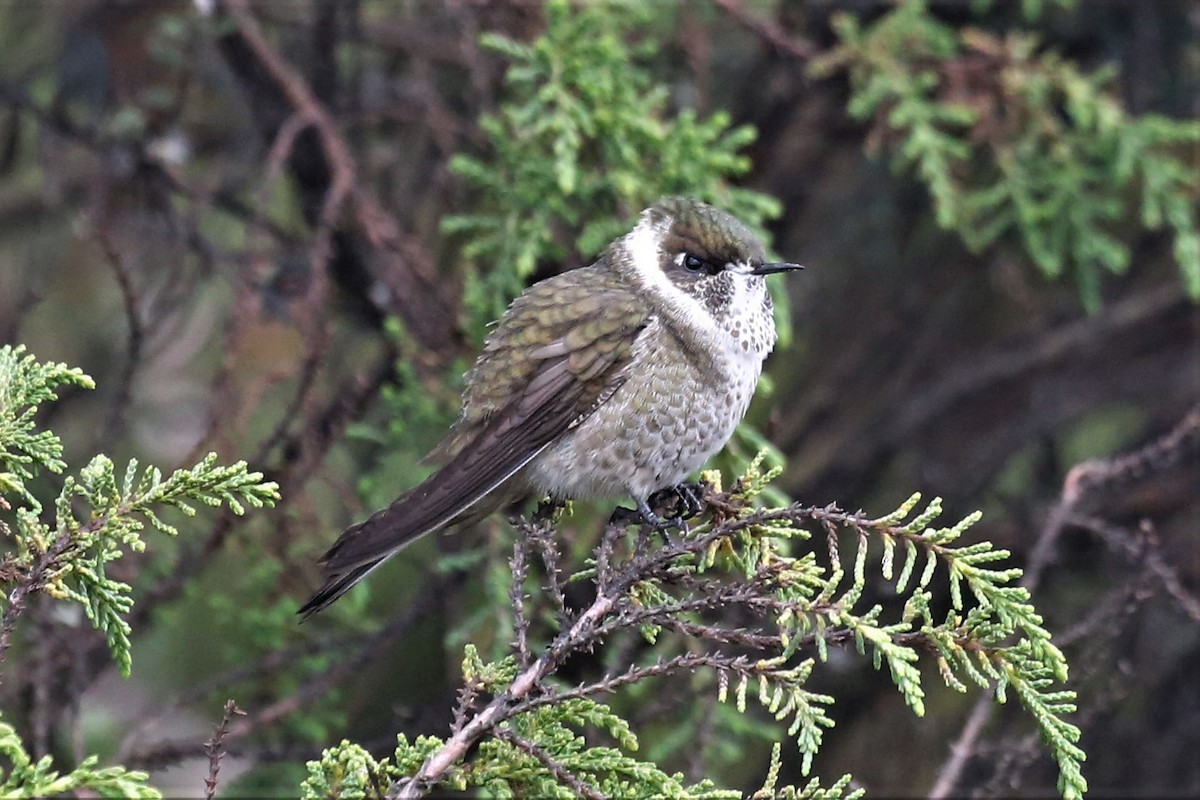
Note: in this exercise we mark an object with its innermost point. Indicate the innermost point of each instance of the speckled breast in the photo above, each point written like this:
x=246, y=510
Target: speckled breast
x=669, y=416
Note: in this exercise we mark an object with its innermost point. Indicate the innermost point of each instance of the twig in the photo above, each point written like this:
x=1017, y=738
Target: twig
x=604, y=556
x=560, y=772
x=686, y=662
x=516, y=595
x=1143, y=546
x=34, y=580
x=526, y=683
x=213, y=748
x=989, y=370
x=1171, y=582
x=542, y=536
x=269, y=663
x=312, y=689
x=769, y=32
x=133, y=349
x=1081, y=481
x=1164, y=452
x=317, y=686
x=961, y=750
x=412, y=280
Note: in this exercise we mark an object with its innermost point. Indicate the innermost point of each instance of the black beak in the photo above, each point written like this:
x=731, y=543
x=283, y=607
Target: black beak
x=768, y=269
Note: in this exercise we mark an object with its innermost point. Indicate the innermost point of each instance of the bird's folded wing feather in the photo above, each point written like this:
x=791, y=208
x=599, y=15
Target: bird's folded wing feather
x=587, y=331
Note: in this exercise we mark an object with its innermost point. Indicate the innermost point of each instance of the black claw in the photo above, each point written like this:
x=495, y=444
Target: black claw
x=686, y=499
x=650, y=518
x=683, y=502
x=663, y=526
x=692, y=496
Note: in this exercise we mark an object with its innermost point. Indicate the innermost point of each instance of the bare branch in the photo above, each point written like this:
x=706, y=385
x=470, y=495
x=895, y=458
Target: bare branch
x=611, y=611
x=313, y=689
x=1082, y=481
x=133, y=351
x=213, y=748
x=516, y=596
x=782, y=41
x=542, y=536
x=560, y=772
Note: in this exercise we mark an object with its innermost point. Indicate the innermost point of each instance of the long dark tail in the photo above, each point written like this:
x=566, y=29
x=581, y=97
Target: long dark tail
x=467, y=487
x=334, y=588
x=463, y=490
x=363, y=547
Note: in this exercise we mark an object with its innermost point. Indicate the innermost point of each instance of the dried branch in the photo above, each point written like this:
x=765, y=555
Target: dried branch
x=961, y=750
x=540, y=534
x=1082, y=482
x=409, y=275
x=271, y=662
x=133, y=350
x=687, y=662
x=33, y=581
x=214, y=748
x=1159, y=455
x=1142, y=546
x=516, y=596
x=314, y=688
x=783, y=42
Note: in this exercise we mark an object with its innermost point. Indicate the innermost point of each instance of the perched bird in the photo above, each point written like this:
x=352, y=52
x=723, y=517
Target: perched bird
x=616, y=379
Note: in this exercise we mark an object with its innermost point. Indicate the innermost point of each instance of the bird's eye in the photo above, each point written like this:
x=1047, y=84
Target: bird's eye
x=694, y=263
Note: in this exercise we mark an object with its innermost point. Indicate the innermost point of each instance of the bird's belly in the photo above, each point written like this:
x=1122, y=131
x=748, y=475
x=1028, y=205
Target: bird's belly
x=659, y=427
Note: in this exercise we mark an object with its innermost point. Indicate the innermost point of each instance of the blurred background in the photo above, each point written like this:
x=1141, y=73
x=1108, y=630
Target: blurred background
x=278, y=230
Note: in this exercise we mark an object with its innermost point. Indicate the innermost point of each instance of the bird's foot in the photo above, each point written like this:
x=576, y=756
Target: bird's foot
x=665, y=509
x=547, y=509
x=687, y=499
x=661, y=524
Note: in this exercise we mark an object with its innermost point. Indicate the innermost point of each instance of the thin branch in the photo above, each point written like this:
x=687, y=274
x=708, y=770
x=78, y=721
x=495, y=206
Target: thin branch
x=779, y=39
x=270, y=662
x=686, y=662
x=516, y=595
x=34, y=580
x=526, y=683
x=1082, y=481
x=989, y=370
x=319, y=685
x=1166, y=451
x=314, y=688
x=559, y=771
x=411, y=277
x=542, y=536
x=133, y=350
x=1142, y=546
x=214, y=748
x=961, y=750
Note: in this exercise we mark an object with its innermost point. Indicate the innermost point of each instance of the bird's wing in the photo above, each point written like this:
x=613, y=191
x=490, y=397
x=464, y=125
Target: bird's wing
x=565, y=344
x=579, y=316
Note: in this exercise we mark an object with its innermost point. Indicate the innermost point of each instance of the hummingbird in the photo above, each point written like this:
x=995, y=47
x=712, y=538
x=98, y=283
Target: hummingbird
x=618, y=379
